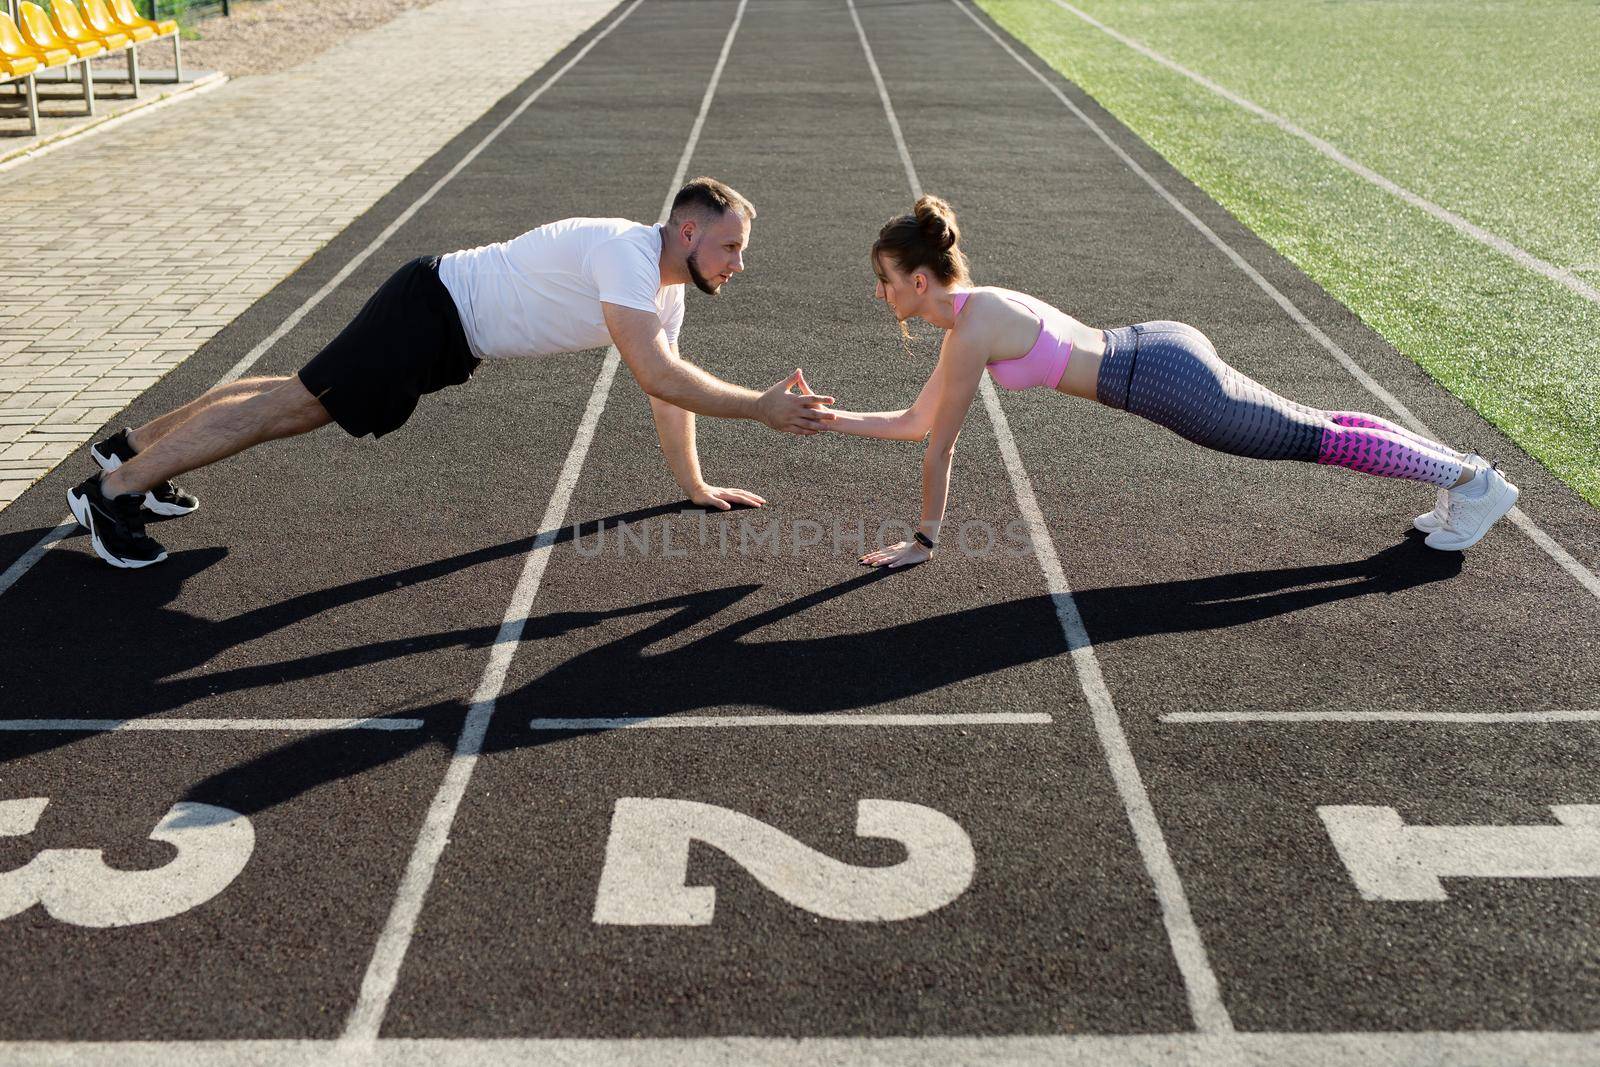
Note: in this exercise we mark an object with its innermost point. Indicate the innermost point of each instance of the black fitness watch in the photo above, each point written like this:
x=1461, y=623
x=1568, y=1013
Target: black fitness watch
x=923, y=539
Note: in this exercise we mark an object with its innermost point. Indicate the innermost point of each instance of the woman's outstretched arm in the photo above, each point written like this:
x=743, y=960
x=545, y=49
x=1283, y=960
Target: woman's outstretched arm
x=910, y=424
x=954, y=384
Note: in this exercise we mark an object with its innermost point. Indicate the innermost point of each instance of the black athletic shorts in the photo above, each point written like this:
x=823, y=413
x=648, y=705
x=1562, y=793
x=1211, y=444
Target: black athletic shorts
x=406, y=341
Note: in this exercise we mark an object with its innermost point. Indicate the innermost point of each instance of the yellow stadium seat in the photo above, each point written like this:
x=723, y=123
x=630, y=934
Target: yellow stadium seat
x=98, y=16
x=69, y=25
x=16, y=58
x=55, y=50
x=74, y=27
x=38, y=31
x=54, y=57
x=127, y=16
x=18, y=61
x=143, y=29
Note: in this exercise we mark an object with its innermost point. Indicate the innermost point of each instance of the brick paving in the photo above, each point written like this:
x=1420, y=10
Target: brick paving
x=105, y=289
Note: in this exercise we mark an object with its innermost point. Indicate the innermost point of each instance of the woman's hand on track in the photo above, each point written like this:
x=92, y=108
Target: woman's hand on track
x=900, y=554
x=714, y=496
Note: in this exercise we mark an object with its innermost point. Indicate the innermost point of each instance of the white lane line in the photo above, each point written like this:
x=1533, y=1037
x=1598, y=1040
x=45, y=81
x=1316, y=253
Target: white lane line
x=1188, y=948
x=1261, y=1049
x=683, y=722
x=69, y=524
x=36, y=553
x=1563, y=558
x=1560, y=275
x=384, y=971
x=1479, y=718
x=181, y=725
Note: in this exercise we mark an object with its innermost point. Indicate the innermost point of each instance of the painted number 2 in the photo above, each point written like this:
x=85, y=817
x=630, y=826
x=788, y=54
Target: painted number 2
x=75, y=886
x=647, y=863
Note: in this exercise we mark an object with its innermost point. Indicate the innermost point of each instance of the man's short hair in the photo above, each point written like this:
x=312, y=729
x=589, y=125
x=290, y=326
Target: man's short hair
x=707, y=196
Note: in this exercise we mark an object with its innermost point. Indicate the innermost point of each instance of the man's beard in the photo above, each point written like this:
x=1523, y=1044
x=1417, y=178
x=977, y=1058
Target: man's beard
x=701, y=282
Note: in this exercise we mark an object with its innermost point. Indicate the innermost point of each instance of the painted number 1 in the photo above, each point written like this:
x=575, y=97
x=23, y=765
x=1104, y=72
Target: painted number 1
x=647, y=863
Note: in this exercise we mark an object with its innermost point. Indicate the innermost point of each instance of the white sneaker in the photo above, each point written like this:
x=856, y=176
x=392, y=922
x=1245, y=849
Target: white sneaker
x=1470, y=518
x=1439, y=517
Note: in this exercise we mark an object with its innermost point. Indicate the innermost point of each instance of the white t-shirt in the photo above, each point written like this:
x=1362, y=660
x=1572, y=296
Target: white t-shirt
x=540, y=293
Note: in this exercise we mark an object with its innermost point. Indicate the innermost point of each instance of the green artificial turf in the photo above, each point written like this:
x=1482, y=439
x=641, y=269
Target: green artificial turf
x=1489, y=110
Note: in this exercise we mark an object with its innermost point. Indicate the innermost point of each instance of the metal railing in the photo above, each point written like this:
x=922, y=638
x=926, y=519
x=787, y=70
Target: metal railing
x=187, y=9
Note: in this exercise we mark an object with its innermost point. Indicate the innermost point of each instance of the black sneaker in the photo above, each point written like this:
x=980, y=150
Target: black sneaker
x=166, y=499
x=115, y=525
x=114, y=451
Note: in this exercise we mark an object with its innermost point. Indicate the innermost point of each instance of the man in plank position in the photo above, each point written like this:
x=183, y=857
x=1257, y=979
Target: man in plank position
x=571, y=285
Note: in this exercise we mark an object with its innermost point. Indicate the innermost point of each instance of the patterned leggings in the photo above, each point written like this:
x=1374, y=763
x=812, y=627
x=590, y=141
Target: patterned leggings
x=1169, y=373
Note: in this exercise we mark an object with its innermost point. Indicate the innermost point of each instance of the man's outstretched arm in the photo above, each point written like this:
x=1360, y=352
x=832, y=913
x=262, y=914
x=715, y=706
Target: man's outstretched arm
x=675, y=427
x=639, y=338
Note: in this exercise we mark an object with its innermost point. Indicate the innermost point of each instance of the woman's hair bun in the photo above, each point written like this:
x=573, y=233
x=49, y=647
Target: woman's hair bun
x=924, y=238
x=937, y=220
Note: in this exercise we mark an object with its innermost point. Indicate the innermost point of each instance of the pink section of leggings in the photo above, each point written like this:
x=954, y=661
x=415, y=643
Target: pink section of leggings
x=1372, y=445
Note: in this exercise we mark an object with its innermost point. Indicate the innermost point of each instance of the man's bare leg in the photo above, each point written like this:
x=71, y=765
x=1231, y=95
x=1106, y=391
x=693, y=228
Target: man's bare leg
x=154, y=430
x=217, y=429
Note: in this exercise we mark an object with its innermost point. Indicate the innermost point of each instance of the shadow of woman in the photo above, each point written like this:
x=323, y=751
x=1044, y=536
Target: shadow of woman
x=733, y=666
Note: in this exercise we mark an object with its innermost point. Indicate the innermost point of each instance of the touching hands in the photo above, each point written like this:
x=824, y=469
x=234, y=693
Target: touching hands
x=801, y=413
x=899, y=554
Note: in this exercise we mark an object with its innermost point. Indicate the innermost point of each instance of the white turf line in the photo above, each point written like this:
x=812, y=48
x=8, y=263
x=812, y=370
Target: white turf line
x=1206, y=1007
x=378, y=985
x=105, y=725
x=679, y=722
x=1560, y=275
x=69, y=524
x=1471, y=718
x=1585, y=577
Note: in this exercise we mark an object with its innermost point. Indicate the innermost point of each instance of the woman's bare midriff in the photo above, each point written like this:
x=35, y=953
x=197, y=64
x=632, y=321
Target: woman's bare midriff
x=1083, y=369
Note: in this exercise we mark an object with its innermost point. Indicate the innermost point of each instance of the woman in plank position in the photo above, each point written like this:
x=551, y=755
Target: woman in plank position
x=1166, y=372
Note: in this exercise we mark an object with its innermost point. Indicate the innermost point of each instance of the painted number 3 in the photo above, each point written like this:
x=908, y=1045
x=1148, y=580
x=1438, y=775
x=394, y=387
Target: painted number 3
x=647, y=863
x=75, y=886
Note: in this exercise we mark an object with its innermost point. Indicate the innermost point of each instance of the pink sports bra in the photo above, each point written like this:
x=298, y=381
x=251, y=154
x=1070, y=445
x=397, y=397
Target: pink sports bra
x=1046, y=361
